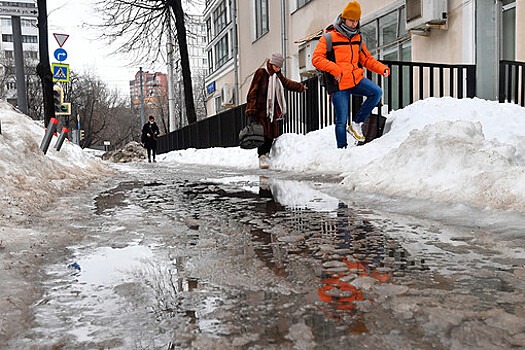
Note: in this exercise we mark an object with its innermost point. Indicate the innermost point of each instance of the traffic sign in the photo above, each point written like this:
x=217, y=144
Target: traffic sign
x=60, y=72
x=61, y=38
x=60, y=54
x=20, y=9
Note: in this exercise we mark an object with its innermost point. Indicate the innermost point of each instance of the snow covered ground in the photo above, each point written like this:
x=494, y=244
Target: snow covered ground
x=468, y=151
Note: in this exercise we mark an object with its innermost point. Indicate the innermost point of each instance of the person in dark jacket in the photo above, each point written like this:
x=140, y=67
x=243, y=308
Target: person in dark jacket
x=150, y=131
x=351, y=55
x=266, y=103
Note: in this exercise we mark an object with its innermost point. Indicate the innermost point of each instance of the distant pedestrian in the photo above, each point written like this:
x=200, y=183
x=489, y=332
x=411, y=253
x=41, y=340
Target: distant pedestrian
x=348, y=57
x=150, y=132
x=266, y=103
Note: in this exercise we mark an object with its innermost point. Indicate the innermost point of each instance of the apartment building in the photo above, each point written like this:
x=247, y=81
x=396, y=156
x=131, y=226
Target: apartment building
x=155, y=92
x=242, y=34
x=197, y=55
x=29, y=46
x=221, y=49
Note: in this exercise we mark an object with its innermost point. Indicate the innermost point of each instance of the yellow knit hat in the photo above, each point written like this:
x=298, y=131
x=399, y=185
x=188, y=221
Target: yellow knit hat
x=352, y=11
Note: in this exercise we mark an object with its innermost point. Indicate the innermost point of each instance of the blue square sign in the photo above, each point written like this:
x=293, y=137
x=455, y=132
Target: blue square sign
x=60, y=72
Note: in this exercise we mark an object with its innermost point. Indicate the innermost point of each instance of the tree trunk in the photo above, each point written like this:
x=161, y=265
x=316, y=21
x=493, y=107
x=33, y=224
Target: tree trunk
x=43, y=68
x=176, y=6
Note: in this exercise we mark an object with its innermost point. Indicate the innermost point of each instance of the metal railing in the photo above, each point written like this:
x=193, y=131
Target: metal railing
x=408, y=82
x=511, y=82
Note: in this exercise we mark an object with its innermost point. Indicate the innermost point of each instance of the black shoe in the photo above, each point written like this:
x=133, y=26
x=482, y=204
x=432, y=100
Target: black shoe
x=154, y=161
x=149, y=160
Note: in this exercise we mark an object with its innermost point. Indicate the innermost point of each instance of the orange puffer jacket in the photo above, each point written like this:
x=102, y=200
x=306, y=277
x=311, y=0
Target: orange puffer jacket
x=350, y=57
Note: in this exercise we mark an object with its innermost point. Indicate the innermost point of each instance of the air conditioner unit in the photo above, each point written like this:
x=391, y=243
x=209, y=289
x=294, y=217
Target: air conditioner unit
x=306, y=69
x=227, y=96
x=426, y=14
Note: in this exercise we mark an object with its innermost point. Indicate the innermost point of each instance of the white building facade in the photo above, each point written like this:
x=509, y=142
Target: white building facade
x=197, y=55
x=477, y=32
x=7, y=56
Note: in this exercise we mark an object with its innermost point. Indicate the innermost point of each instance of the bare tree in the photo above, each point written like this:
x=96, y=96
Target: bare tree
x=140, y=27
x=102, y=113
x=34, y=90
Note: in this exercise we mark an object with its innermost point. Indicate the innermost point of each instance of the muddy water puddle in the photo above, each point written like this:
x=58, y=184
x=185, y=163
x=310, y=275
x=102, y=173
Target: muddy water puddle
x=255, y=262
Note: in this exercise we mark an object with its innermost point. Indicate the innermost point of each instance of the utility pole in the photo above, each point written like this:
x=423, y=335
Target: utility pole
x=20, y=74
x=141, y=98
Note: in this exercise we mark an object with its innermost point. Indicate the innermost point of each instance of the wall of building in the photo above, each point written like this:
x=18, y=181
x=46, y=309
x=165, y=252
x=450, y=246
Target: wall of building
x=258, y=49
x=470, y=24
x=456, y=44
x=300, y=23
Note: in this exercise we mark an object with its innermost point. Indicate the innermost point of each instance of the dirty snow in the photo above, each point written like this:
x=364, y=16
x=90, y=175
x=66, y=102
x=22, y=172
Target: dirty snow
x=468, y=151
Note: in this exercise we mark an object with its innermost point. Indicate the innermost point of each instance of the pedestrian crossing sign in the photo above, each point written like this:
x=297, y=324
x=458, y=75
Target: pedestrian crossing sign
x=60, y=72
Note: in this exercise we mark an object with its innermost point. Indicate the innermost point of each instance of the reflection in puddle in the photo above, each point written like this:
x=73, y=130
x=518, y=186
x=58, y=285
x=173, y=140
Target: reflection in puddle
x=107, y=266
x=301, y=221
x=114, y=197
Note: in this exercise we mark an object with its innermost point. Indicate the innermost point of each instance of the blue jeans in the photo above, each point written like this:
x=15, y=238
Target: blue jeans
x=341, y=102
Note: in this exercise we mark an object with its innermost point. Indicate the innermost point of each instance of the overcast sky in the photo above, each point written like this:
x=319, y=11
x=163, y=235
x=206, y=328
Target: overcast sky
x=87, y=53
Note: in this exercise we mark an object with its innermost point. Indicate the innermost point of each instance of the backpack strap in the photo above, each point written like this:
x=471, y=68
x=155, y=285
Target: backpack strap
x=328, y=37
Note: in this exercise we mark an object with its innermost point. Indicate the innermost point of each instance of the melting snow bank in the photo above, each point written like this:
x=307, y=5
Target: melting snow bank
x=466, y=151
x=449, y=161
x=31, y=179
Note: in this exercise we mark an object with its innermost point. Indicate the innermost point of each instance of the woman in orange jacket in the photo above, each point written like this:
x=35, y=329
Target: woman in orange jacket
x=345, y=68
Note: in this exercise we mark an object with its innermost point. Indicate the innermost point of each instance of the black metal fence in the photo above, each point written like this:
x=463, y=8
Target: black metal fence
x=408, y=82
x=511, y=82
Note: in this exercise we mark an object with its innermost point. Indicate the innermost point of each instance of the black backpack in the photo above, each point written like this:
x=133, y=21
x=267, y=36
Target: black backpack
x=326, y=79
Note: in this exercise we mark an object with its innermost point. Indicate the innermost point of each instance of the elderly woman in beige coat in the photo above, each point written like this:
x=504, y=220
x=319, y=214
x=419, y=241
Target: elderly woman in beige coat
x=266, y=102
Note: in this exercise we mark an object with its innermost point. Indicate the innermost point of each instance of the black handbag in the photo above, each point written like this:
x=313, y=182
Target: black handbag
x=371, y=129
x=252, y=135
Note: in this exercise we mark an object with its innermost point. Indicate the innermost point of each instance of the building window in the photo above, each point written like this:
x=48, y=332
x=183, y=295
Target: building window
x=33, y=39
x=385, y=36
x=8, y=38
x=221, y=52
x=220, y=17
x=28, y=23
x=31, y=55
x=261, y=18
x=208, y=29
x=301, y=3
x=210, y=61
x=508, y=39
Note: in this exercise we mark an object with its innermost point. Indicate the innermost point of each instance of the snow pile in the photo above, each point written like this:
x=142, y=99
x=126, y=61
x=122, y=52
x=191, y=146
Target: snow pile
x=132, y=152
x=30, y=179
x=468, y=151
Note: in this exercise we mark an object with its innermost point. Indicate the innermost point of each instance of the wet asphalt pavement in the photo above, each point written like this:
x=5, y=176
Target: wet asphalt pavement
x=194, y=258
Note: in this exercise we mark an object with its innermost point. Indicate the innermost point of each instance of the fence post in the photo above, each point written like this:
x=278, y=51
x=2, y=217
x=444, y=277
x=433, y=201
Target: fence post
x=471, y=81
x=312, y=109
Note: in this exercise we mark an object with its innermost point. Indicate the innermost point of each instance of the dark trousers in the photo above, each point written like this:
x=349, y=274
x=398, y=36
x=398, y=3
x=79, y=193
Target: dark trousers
x=150, y=151
x=265, y=147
